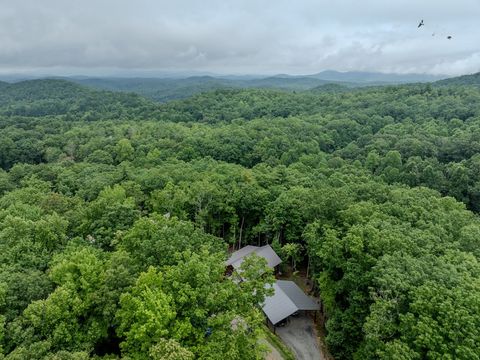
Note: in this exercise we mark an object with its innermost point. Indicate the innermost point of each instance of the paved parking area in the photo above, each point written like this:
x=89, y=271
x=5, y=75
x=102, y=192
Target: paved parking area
x=299, y=335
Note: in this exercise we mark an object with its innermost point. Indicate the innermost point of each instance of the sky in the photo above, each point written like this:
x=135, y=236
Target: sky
x=134, y=37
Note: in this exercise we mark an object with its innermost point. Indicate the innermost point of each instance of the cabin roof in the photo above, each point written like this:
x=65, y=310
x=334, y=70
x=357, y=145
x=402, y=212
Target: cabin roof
x=236, y=259
x=287, y=299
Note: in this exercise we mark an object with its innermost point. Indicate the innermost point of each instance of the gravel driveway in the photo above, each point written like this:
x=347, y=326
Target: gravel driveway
x=299, y=335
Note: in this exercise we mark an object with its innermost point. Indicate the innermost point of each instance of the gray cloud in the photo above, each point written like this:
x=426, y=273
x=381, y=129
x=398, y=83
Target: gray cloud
x=239, y=36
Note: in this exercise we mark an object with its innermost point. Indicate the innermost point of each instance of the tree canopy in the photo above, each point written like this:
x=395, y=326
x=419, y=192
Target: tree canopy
x=116, y=213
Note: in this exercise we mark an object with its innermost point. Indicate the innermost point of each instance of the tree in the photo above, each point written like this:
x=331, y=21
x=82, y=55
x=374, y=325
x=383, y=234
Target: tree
x=124, y=151
x=155, y=240
x=169, y=350
x=145, y=315
x=3, y=291
x=292, y=251
x=111, y=212
x=71, y=317
x=372, y=184
x=194, y=304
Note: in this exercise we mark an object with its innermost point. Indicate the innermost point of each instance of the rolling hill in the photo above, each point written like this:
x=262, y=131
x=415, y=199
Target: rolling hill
x=473, y=79
x=61, y=97
x=165, y=89
x=373, y=78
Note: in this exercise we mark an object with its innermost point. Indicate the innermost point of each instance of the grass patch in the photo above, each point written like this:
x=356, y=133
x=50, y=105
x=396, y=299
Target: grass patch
x=278, y=344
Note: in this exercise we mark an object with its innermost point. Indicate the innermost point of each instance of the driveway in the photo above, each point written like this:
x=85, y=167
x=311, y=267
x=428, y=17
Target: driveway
x=273, y=353
x=300, y=336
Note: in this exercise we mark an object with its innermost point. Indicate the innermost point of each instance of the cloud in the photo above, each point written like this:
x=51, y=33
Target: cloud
x=239, y=36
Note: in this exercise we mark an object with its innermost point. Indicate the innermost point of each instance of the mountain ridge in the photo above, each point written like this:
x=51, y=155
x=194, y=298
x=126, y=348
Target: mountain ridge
x=471, y=79
x=166, y=89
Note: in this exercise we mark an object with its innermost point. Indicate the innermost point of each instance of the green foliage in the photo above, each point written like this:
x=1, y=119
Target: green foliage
x=68, y=318
x=111, y=212
x=145, y=314
x=169, y=350
x=374, y=266
x=115, y=214
x=292, y=251
x=155, y=240
x=473, y=80
x=124, y=150
x=3, y=290
x=193, y=303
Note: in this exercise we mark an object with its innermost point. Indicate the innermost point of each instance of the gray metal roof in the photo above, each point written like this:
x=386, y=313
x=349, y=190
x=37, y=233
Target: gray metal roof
x=287, y=299
x=240, y=254
x=266, y=252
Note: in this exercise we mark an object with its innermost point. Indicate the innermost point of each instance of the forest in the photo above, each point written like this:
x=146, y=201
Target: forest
x=177, y=87
x=116, y=213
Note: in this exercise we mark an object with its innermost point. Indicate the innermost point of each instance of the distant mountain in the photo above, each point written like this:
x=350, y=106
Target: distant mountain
x=159, y=89
x=292, y=82
x=163, y=90
x=473, y=79
x=360, y=77
x=172, y=88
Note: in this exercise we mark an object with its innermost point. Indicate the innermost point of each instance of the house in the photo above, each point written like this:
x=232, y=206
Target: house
x=287, y=299
x=236, y=259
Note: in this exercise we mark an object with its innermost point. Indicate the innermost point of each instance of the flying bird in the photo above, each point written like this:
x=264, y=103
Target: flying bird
x=421, y=24
x=449, y=37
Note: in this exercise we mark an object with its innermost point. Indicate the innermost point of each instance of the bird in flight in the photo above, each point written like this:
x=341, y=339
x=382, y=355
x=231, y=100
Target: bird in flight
x=421, y=24
x=449, y=37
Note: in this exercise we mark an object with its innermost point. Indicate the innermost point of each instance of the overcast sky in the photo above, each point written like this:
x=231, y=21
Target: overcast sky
x=238, y=36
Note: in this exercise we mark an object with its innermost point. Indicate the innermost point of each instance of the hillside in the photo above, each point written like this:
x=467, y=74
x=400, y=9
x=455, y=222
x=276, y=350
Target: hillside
x=473, y=80
x=45, y=89
x=371, y=78
x=294, y=83
x=331, y=88
x=116, y=214
x=61, y=97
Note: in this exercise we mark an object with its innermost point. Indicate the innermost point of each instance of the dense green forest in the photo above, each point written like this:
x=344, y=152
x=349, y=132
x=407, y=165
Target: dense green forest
x=473, y=80
x=116, y=213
